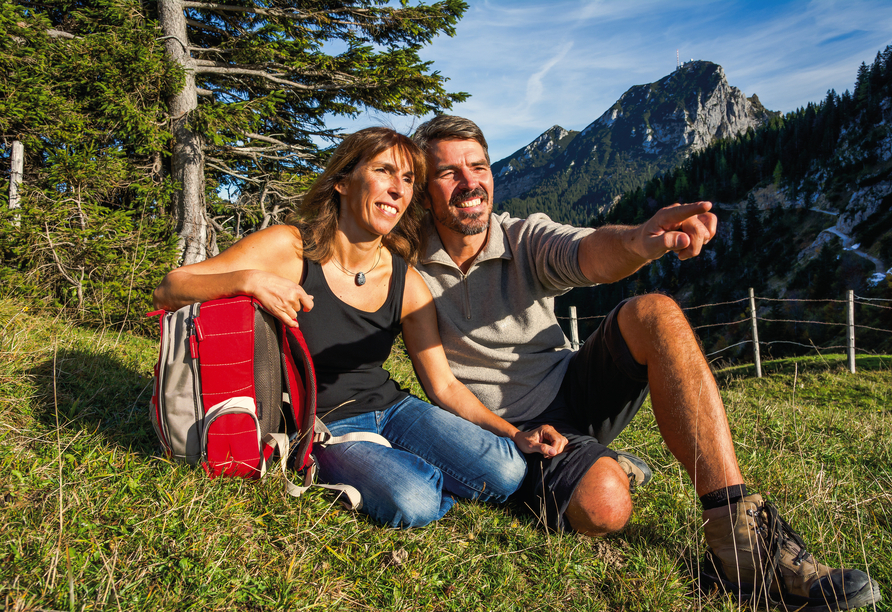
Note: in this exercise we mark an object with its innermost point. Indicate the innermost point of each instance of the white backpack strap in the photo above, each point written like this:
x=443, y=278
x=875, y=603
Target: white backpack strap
x=322, y=436
x=351, y=498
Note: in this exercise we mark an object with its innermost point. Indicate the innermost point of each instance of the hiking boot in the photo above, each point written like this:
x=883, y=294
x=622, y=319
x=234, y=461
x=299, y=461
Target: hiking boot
x=754, y=554
x=635, y=468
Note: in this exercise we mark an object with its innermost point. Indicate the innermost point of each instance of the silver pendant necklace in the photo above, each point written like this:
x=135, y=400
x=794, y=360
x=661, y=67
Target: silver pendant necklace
x=358, y=277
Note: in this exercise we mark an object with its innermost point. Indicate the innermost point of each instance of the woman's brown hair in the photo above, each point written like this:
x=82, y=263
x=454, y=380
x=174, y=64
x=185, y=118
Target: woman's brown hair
x=317, y=215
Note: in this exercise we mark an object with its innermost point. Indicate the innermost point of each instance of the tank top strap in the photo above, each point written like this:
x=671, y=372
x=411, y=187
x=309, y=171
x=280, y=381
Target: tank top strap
x=398, y=288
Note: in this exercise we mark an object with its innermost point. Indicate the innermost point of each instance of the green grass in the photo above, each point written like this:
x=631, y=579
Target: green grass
x=91, y=517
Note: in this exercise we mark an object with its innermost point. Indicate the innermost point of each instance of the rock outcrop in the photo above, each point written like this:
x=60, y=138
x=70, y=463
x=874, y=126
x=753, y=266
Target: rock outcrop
x=671, y=114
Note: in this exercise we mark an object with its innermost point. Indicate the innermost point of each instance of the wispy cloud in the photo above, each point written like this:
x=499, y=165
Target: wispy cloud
x=534, y=83
x=842, y=37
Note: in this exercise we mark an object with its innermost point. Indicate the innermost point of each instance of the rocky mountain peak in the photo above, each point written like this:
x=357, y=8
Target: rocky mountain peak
x=650, y=128
x=531, y=162
x=685, y=110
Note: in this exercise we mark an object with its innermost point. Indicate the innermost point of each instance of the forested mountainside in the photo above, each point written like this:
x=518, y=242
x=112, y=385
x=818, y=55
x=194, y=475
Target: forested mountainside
x=574, y=176
x=805, y=213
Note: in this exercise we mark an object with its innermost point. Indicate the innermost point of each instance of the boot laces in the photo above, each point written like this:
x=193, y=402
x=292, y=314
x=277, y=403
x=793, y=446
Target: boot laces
x=777, y=534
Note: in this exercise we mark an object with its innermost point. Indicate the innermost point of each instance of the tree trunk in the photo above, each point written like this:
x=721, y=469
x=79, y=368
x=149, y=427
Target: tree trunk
x=187, y=165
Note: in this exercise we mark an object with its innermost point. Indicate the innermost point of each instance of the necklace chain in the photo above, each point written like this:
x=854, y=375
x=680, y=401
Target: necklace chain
x=358, y=277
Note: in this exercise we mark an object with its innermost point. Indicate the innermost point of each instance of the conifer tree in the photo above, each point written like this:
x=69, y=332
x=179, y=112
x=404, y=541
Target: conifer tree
x=83, y=86
x=261, y=77
x=119, y=129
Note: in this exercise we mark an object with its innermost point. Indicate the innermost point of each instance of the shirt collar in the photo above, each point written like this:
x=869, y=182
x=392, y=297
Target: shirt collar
x=496, y=247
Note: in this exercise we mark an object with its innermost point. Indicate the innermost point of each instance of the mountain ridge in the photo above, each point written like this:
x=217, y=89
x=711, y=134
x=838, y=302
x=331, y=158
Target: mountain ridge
x=651, y=128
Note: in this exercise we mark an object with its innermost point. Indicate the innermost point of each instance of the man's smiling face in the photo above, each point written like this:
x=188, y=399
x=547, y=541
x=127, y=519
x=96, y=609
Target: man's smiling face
x=459, y=186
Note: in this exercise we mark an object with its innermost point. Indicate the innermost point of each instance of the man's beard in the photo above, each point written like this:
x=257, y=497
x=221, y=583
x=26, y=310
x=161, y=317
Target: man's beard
x=457, y=220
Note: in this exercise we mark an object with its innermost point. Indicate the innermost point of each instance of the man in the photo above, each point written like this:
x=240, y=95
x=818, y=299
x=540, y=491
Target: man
x=494, y=280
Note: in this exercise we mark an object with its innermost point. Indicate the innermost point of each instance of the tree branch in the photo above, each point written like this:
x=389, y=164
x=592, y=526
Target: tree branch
x=203, y=68
x=61, y=34
x=77, y=285
x=210, y=67
x=294, y=13
x=209, y=162
x=204, y=26
x=172, y=37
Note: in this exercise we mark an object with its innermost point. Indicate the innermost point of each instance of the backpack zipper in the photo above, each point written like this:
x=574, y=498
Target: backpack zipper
x=194, y=365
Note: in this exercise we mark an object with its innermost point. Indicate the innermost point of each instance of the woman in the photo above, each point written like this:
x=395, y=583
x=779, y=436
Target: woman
x=339, y=270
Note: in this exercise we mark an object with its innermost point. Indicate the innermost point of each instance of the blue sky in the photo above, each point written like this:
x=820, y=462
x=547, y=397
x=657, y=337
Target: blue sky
x=529, y=65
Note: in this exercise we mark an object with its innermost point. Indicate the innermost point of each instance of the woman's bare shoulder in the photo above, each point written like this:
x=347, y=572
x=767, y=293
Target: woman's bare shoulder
x=276, y=240
x=284, y=235
x=416, y=293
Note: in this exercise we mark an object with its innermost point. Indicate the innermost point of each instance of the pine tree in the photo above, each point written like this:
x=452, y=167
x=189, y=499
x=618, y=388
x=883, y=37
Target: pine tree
x=778, y=174
x=261, y=79
x=93, y=89
x=753, y=223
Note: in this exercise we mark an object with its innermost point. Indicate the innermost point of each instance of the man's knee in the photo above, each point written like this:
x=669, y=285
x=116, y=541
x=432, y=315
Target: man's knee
x=505, y=476
x=652, y=320
x=413, y=509
x=412, y=503
x=601, y=503
x=652, y=310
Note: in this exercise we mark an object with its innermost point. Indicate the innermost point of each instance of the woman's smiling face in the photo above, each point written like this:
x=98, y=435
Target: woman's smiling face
x=377, y=193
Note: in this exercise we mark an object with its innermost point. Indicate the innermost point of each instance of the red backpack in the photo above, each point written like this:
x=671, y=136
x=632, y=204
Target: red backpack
x=233, y=385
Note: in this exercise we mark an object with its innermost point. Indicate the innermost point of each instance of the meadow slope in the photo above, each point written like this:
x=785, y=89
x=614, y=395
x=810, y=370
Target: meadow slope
x=92, y=518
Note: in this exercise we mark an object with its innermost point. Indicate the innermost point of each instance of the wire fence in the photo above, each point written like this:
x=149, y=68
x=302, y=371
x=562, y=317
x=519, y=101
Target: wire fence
x=754, y=319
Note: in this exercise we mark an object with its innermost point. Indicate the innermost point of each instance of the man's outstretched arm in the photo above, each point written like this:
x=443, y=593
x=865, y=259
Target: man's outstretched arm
x=614, y=252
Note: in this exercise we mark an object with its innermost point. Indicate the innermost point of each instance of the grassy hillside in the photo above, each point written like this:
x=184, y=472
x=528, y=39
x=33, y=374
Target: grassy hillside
x=92, y=518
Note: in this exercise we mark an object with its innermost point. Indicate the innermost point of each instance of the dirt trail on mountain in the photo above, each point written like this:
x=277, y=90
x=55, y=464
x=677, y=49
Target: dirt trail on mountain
x=848, y=240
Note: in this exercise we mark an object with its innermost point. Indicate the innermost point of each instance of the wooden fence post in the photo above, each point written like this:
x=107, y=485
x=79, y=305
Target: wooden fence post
x=850, y=330
x=756, y=355
x=574, y=330
x=17, y=163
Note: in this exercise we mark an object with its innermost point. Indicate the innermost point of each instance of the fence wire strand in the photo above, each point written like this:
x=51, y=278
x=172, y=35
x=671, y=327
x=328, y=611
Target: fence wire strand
x=873, y=305
x=704, y=326
x=861, y=301
x=798, y=321
x=858, y=297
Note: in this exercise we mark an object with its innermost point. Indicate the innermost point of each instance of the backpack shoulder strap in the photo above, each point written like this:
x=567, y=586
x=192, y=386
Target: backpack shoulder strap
x=322, y=436
x=351, y=497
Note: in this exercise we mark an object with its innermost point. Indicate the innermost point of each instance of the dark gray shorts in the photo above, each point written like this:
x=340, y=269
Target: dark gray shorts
x=603, y=389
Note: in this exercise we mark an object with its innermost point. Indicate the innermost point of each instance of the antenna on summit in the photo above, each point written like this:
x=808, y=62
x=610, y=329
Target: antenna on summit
x=677, y=61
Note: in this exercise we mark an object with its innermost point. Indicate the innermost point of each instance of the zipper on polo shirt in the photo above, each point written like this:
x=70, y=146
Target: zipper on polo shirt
x=467, y=296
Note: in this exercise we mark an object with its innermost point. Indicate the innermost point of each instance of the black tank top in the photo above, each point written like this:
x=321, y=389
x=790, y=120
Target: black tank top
x=349, y=347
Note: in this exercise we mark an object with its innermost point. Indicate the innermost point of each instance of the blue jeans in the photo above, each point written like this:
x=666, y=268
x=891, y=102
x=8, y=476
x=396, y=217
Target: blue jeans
x=435, y=456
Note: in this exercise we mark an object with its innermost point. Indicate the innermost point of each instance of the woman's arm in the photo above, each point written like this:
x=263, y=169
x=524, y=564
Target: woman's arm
x=266, y=265
x=422, y=337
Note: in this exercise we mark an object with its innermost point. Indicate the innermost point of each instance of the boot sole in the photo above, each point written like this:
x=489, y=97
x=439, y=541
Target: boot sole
x=711, y=581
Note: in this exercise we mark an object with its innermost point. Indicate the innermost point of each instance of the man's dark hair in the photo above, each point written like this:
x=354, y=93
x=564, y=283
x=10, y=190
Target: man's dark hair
x=449, y=127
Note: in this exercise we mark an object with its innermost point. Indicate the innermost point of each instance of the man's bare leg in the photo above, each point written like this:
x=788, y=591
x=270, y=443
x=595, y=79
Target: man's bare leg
x=685, y=398
x=688, y=409
x=692, y=421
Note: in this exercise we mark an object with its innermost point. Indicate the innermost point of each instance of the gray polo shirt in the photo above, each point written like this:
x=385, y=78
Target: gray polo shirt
x=497, y=322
